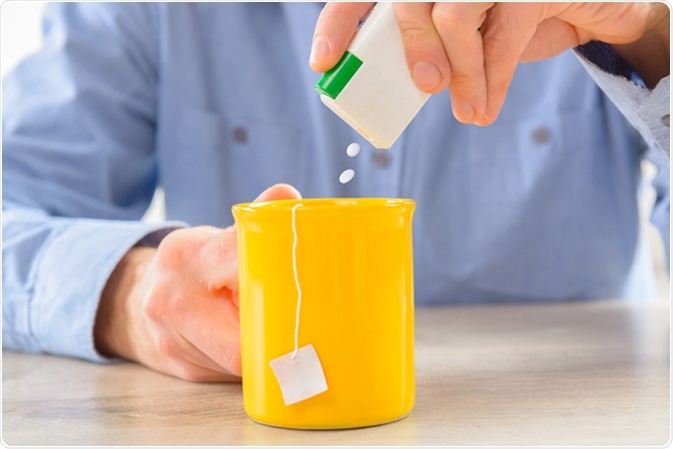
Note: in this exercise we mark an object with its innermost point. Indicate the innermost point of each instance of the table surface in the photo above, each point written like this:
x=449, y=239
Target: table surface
x=580, y=373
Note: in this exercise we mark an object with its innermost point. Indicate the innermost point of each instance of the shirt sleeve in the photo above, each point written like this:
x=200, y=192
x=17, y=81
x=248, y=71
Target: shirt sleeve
x=647, y=110
x=54, y=271
x=79, y=170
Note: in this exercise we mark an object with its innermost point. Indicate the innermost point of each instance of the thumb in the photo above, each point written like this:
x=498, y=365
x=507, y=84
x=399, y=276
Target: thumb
x=278, y=192
x=275, y=192
x=334, y=30
x=220, y=249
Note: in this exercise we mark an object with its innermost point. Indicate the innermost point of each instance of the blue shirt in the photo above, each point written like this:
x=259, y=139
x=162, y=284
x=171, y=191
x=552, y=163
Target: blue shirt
x=214, y=102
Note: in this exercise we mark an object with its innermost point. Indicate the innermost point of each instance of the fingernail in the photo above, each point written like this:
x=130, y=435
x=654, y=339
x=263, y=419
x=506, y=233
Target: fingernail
x=426, y=75
x=463, y=111
x=319, y=51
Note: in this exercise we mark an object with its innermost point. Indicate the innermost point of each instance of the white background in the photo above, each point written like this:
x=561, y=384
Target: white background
x=20, y=31
x=21, y=35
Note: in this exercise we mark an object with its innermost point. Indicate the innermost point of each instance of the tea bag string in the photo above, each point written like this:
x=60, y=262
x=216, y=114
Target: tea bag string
x=296, y=278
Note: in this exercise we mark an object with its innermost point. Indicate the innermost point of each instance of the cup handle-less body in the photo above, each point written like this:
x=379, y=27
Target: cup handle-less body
x=355, y=267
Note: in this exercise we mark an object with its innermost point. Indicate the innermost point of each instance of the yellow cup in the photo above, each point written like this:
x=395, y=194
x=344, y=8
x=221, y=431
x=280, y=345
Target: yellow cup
x=354, y=266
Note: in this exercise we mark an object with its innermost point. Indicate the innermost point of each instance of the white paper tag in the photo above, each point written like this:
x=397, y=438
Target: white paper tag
x=299, y=378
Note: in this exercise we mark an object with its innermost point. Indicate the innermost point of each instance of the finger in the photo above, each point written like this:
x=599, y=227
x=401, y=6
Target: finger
x=217, y=260
x=179, y=357
x=553, y=36
x=506, y=34
x=172, y=353
x=200, y=366
x=203, y=258
x=196, y=372
x=214, y=328
x=458, y=27
x=334, y=31
x=210, y=254
x=278, y=192
x=217, y=263
x=186, y=370
x=196, y=358
x=423, y=48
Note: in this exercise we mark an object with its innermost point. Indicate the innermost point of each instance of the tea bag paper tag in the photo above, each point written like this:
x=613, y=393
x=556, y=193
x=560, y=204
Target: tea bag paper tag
x=300, y=377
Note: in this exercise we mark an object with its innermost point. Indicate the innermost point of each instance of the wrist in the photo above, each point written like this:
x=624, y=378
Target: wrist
x=112, y=328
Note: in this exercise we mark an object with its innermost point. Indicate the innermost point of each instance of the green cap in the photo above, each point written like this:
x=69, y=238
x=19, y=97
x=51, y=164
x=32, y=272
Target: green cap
x=334, y=80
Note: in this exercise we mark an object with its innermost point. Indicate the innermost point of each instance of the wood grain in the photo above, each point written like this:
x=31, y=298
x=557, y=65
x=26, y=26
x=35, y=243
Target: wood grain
x=593, y=373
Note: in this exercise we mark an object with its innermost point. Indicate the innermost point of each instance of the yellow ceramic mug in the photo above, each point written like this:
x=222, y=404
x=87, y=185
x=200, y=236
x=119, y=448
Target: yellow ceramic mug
x=354, y=266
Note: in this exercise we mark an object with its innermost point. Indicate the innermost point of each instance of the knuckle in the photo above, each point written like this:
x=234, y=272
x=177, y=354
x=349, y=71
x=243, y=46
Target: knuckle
x=183, y=245
x=173, y=238
x=414, y=32
x=166, y=345
x=156, y=304
x=219, y=250
x=451, y=15
x=498, y=50
x=172, y=247
x=468, y=88
x=462, y=81
x=443, y=15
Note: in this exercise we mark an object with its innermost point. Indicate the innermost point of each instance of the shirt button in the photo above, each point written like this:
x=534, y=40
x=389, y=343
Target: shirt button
x=541, y=135
x=666, y=120
x=240, y=134
x=381, y=158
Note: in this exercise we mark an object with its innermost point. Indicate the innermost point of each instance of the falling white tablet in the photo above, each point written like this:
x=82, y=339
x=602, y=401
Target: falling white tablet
x=346, y=176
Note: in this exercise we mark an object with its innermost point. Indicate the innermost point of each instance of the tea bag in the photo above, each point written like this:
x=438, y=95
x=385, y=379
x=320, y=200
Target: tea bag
x=300, y=377
x=299, y=373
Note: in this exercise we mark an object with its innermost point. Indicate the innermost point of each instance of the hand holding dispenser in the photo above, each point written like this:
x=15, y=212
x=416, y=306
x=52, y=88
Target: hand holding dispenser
x=371, y=88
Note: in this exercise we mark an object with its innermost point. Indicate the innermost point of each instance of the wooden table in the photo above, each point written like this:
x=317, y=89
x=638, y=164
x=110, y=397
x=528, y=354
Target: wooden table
x=578, y=373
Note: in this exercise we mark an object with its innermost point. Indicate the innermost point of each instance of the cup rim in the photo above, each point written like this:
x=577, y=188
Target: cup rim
x=350, y=203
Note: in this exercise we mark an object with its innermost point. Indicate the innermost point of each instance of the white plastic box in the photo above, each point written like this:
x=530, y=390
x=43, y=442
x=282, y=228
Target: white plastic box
x=371, y=88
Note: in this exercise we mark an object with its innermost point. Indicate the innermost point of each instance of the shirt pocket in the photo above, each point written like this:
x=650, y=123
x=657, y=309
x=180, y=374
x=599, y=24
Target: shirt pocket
x=221, y=161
